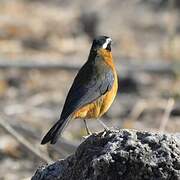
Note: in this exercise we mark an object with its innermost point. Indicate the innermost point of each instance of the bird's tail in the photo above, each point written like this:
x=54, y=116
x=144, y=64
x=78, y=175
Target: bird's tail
x=53, y=134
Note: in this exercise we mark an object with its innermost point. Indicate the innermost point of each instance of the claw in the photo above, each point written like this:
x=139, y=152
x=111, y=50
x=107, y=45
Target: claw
x=85, y=137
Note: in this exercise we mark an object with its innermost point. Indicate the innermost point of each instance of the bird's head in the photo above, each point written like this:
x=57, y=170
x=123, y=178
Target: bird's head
x=101, y=42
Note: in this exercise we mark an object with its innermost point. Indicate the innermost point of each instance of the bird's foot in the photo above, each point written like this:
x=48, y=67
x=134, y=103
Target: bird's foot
x=85, y=137
x=87, y=129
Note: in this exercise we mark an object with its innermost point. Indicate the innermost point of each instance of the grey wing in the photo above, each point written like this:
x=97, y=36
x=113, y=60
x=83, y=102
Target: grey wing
x=84, y=93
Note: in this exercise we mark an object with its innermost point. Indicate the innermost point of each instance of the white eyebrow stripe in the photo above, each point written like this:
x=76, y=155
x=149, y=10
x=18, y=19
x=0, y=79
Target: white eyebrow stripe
x=108, y=40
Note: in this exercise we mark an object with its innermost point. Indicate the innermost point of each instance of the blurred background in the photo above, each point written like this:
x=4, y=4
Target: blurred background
x=43, y=43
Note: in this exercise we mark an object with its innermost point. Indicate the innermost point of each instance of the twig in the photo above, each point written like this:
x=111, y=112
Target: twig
x=151, y=67
x=63, y=147
x=138, y=109
x=164, y=121
x=31, y=64
x=24, y=142
x=143, y=104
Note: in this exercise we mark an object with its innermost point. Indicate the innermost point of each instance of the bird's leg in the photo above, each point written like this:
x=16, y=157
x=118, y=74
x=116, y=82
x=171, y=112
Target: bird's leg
x=87, y=129
x=104, y=125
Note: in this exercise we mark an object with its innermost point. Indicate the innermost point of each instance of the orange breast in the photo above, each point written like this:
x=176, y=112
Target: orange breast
x=109, y=98
x=101, y=105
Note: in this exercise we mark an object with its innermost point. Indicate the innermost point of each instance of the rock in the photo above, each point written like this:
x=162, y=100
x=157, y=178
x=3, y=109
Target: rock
x=121, y=155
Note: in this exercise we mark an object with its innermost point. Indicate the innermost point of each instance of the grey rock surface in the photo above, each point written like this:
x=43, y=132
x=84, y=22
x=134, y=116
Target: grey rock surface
x=121, y=155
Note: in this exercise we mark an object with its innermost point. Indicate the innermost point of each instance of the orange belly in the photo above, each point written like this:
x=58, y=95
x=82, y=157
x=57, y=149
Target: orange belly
x=100, y=106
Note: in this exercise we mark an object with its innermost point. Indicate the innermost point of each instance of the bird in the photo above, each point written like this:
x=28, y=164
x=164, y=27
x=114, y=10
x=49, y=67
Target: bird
x=93, y=89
